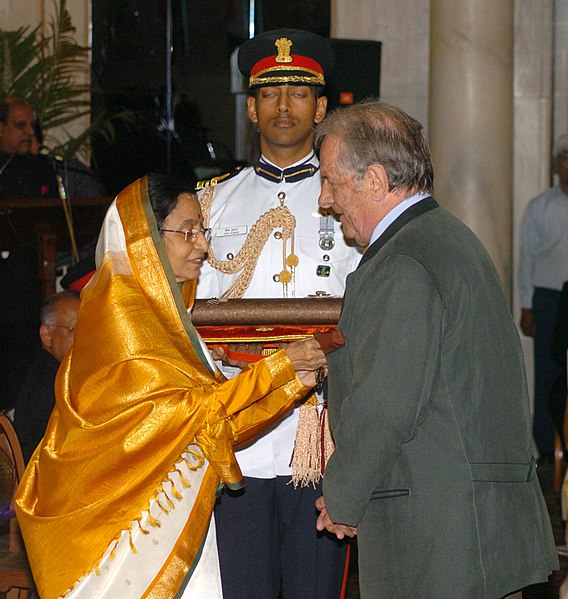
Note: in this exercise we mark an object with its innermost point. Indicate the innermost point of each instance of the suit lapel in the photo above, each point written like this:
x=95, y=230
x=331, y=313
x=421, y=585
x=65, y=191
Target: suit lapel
x=413, y=212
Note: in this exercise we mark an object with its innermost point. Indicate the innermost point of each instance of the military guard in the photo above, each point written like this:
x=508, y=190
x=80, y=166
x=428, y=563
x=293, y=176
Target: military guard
x=271, y=241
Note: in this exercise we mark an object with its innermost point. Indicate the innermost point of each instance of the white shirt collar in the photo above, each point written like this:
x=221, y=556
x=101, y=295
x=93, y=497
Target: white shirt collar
x=391, y=216
x=311, y=157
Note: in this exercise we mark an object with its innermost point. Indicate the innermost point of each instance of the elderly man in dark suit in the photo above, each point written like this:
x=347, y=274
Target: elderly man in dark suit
x=433, y=468
x=36, y=398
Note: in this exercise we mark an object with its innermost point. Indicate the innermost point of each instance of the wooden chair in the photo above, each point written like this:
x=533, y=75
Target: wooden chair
x=559, y=457
x=15, y=575
x=559, y=463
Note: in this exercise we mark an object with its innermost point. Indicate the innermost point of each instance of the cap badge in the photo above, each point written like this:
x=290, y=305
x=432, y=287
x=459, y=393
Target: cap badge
x=283, y=44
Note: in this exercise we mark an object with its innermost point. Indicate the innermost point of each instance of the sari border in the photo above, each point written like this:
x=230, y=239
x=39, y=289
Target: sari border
x=188, y=546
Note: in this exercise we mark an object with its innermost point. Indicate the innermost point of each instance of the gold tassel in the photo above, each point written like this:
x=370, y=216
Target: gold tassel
x=184, y=480
x=176, y=494
x=142, y=529
x=200, y=460
x=306, y=458
x=158, y=500
x=132, y=547
x=113, y=550
x=152, y=521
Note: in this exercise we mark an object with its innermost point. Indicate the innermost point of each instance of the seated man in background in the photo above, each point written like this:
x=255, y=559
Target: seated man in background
x=28, y=169
x=20, y=295
x=37, y=397
x=26, y=173
x=22, y=174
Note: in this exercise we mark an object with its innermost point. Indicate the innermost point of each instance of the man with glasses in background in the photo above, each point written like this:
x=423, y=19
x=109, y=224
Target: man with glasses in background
x=37, y=395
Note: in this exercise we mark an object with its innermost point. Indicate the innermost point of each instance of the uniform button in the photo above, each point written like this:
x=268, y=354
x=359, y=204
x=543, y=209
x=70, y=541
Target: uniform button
x=276, y=278
x=326, y=258
x=278, y=235
x=230, y=256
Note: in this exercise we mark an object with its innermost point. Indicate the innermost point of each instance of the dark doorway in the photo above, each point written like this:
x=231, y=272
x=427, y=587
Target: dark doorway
x=130, y=68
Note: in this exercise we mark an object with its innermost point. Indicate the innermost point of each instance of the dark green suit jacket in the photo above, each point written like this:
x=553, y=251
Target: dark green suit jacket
x=429, y=409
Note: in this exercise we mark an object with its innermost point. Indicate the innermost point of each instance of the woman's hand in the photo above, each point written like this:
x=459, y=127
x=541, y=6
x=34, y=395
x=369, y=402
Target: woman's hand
x=306, y=355
x=219, y=353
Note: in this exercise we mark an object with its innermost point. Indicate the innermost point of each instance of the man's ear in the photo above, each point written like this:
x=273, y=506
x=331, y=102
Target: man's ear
x=321, y=108
x=377, y=178
x=45, y=335
x=251, y=108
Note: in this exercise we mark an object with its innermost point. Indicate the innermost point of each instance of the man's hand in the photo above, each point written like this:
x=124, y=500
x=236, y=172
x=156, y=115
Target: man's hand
x=527, y=322
x=311, y=378
x=324, y=522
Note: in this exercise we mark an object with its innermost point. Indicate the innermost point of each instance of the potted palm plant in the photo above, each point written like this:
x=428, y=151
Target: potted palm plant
x=49, y=69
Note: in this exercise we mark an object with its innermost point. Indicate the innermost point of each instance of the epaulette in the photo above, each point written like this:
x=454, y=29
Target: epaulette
x=219, y=179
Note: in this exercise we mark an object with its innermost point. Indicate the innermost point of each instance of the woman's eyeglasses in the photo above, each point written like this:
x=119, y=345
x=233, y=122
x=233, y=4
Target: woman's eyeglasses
x=190, y=235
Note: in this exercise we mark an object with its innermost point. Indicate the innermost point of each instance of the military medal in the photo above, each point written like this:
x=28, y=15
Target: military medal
x=326, y=232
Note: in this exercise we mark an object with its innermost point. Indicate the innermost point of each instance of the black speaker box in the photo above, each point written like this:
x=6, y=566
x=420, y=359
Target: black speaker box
x=357, y=72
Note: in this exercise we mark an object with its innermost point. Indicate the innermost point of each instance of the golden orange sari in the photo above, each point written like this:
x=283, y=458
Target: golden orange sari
x=143, y=421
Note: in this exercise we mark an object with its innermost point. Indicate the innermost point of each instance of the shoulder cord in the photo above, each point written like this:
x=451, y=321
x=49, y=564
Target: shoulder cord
x=247, y=257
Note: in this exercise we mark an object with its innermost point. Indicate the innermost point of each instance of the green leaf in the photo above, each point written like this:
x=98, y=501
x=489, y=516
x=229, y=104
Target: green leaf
x=49, y=70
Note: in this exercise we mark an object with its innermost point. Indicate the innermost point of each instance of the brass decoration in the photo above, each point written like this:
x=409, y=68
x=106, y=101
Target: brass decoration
x=272, y=79
x=283, y=44
x=292, y=260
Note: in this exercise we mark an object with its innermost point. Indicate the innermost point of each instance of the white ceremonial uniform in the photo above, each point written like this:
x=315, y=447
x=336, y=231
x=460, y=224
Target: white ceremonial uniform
x=238, y=202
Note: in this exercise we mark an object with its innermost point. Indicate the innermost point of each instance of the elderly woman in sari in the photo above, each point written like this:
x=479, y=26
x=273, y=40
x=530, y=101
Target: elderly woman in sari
x=117, y=499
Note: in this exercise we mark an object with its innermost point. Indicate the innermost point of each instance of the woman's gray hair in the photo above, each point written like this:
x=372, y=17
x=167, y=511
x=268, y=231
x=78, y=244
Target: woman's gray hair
x=373, y=132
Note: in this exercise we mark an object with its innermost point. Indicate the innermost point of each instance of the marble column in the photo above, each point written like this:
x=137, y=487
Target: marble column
x=560, y=20
x=403, y=28
x=471, y=118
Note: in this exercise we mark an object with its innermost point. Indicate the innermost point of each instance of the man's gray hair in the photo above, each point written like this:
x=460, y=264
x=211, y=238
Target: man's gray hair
x=48, y=310
x=373, y=132
x=560, y=146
